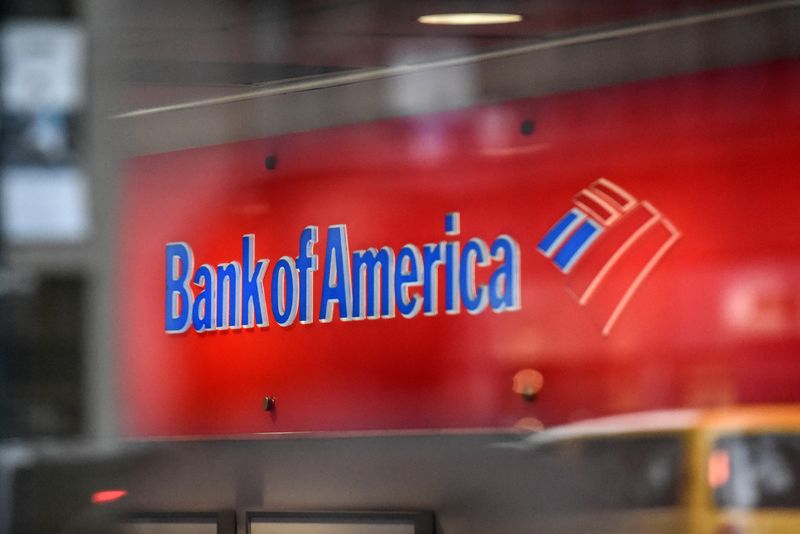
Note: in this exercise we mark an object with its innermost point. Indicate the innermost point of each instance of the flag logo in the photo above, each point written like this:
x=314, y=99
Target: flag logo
x=606, y=245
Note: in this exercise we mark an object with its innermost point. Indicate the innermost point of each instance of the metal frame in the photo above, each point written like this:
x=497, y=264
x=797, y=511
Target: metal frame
x=225, y=520
x=423, y=522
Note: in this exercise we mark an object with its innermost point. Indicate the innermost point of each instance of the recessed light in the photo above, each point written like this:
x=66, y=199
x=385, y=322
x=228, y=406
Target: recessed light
x=464, y=19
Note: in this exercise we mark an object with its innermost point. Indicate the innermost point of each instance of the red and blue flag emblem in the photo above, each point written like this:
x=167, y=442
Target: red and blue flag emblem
x=607, y=244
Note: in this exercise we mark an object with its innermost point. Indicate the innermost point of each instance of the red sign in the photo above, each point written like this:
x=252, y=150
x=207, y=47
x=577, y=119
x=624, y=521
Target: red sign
x=633, y=247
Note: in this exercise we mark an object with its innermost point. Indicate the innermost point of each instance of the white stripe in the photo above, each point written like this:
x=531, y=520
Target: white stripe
x=641, y=276
x=619, y=252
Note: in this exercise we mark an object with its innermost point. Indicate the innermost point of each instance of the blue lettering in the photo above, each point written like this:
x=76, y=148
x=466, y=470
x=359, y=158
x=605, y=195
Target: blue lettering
x=307, y=264
x=180, y=262
x=366, y=267
x=452, y=227
x=475, y=298
x=407, y=276
x=203, y=311
x=253, y=285
x=228, y=276
x=504, y=290
x=452, y=300
x=232, y=295
x=431, y=259
x=336, y=277
x=284, y=291
x=452, y=223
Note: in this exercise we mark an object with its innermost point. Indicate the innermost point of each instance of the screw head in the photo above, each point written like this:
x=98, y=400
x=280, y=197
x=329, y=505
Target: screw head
x=268, y=403
x=528, y=383
x=270, y=162
x=527, y=127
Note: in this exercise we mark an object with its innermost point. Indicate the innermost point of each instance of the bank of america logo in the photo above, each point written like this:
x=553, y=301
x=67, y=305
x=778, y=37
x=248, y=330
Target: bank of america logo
x=606, y=245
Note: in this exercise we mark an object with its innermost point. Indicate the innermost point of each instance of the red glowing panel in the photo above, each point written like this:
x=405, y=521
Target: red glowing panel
x=684, y=295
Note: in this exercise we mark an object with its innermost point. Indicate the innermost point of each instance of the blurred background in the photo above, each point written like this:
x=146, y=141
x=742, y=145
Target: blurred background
x=98, y=420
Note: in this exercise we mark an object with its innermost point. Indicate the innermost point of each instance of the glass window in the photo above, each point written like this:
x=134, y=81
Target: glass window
x=612, y=473
x=757, y=471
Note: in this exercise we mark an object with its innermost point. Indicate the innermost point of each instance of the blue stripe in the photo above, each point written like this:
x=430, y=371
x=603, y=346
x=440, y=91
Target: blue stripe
x=574, y=248
x=555, y=232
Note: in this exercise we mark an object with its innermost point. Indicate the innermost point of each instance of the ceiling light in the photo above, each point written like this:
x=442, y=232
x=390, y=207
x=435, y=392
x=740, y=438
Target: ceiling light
x=463, y=19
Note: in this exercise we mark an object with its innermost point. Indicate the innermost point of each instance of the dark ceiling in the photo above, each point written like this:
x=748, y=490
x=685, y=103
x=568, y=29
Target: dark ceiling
x=177, y=50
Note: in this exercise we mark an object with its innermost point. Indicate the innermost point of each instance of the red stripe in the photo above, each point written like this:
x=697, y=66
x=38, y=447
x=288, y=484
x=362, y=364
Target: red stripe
x=612, y=289
x=604, y=248
x=598, y=209
x=619, y=200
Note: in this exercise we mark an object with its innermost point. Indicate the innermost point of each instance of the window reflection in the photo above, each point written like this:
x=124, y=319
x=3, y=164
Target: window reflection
x=764, y=471
x=608, y=473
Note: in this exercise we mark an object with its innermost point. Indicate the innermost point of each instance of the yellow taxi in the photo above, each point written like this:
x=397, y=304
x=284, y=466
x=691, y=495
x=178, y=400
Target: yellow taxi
x=715, y=471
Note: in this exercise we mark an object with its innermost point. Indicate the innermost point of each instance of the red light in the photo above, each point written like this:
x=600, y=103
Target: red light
x=719, y=468
x=106, y=496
